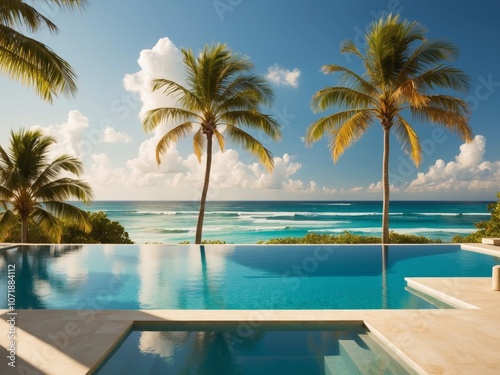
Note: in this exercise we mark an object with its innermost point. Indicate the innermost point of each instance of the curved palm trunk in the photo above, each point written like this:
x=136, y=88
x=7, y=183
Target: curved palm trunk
x=24, y=230
x=203, y=201
x=385, y=184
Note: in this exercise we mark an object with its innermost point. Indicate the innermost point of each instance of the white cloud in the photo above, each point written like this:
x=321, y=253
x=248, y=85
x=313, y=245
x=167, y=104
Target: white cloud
x=227, y=172
x=113, y=136
x=283, y=77
x=328, y=190
x=69, y=136
x=377, y=187
x=469, y=172
x=164, y=60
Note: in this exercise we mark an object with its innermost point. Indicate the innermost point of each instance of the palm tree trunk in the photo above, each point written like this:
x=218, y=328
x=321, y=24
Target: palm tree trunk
x=201, y=214
x=24, y=230
x=385, y=184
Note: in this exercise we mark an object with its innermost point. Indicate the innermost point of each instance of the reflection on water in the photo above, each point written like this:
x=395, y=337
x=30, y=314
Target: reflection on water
x=100, y=277
x=230, y=350
x=33, y=279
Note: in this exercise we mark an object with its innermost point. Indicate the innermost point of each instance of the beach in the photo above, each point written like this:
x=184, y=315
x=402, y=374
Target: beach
x=247, y=222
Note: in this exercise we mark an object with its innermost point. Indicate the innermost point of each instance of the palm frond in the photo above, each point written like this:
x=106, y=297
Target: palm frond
x=179, y=132
x=454, y=122
x=48, y=223
x=220, y=139
x=443, y=77
x=18, y=14
x=325, y=126
x=348, y=46
x=64, y=189
x=429, y=53
x=249, y=143
x=244, y=87
x=68, y=213
x=350, y=79
x=349, y=132
x=449, y=103
x=35, y=65
x=339, y=96
x=188, y=100
x=154, y=117
x=253, y=119
x=63, y=163
x=408, y=92
x=8, y=220
x=199, y=143
x=407, y=136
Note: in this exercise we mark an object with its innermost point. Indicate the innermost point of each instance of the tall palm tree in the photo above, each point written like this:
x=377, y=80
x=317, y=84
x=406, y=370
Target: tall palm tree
x=34, y=188
x=28, y=60
x=220, y=99
x=401, y=70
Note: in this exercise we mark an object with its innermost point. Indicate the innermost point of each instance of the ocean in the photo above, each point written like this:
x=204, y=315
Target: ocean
x=247, y=222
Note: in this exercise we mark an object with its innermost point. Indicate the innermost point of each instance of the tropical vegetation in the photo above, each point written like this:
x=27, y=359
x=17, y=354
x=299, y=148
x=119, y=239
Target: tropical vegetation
x=401, y=69
x=104, y=231
x=27, y=60
x=486, y=229
x=349, y=238
x=34, y=187
x=220, y=99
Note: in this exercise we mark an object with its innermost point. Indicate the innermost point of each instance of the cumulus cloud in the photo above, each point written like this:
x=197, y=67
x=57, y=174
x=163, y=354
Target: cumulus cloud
x=377, y=187
x=468, y=172
x=164, y=60
x=282, y=76
x=111, y=135
x=228, y=171
x=69, y=135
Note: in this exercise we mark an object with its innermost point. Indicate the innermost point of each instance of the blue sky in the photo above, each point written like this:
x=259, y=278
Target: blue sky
x=116, y=47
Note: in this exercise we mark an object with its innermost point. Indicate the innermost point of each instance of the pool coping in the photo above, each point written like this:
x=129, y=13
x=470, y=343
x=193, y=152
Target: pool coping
x=460, y=341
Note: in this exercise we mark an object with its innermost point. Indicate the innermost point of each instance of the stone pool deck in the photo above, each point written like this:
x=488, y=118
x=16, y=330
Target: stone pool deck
x=457, y=341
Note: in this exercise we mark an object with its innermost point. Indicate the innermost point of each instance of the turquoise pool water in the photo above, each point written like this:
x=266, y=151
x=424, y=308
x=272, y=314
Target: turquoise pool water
x=230, y=350
x=230, y=277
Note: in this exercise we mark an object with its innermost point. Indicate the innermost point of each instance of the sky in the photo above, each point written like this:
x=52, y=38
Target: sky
x=118, y=46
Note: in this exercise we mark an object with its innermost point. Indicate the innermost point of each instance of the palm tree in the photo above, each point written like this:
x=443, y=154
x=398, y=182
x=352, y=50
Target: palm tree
x=33, y=188
x=401, y=70
x=28, y=60
x=220, y=98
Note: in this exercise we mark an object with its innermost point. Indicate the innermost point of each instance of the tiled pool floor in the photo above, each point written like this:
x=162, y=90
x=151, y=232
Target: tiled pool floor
x=460, y=341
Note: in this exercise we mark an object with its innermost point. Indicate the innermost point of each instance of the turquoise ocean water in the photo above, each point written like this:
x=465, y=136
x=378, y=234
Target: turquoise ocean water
x=246, y=222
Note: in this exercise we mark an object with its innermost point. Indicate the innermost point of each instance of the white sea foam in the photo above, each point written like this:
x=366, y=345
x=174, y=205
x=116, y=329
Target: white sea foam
x=418, y=231
x=301, y=223
x=452, y=214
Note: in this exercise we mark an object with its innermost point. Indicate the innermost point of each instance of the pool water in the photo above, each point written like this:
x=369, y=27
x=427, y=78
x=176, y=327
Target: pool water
x=134, y=277
x=231, y=349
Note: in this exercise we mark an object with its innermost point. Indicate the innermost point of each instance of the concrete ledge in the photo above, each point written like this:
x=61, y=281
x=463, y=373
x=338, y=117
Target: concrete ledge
x=491, y=241
x=482, y=248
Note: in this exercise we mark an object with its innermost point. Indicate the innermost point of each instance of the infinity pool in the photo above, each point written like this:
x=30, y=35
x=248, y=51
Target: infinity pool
x=230, y=277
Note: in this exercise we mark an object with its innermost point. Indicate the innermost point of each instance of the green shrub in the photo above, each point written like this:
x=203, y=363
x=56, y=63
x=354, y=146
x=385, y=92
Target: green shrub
x=349, y=238
x=103, y=231
x=206, y=242
x=487, y=229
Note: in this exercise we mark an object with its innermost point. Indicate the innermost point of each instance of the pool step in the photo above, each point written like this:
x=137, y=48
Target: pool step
x=369, y=357
x=337, y=365
x=393, y=364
